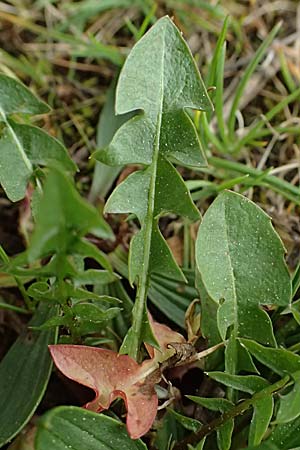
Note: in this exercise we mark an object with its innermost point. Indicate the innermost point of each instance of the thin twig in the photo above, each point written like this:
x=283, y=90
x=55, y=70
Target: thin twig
x=238, y=410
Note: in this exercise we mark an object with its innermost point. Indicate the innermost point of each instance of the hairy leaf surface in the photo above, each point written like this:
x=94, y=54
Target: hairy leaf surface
x=160, y=79
x=241, y=261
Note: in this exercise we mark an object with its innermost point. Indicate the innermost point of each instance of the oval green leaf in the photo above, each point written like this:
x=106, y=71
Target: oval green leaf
x=72, y=428
x=279, y=360
x=289, y=408
x=24, y=375
x=241, y=261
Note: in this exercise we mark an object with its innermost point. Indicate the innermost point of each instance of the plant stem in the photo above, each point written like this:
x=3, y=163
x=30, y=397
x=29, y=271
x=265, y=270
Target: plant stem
x=17, y=309
x=19, y=283
x=186, y=244
x=143, y=282
x=236, y=411
x=296, y=280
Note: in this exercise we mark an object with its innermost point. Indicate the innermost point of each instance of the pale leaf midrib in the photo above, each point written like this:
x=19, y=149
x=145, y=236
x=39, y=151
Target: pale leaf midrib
x=143, y=281
x=16, y=140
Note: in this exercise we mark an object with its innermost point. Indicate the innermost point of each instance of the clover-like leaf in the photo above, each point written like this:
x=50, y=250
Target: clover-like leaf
x=160, y=79
x=112, y=375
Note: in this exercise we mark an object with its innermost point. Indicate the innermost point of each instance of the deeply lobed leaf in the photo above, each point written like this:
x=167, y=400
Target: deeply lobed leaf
x=160, y=79
x=112, y=375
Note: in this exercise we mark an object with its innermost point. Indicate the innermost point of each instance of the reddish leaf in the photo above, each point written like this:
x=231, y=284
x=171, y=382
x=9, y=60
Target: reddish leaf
x=112, y=375
x=164, y=336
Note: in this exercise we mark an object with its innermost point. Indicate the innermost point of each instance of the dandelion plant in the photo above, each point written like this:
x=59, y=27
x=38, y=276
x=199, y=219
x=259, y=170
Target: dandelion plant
x=160, y=80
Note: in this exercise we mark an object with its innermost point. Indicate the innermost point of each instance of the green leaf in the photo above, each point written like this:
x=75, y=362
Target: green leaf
x=41, y=290
x=17, y=98
x=86, y=249
x=94, y=276
x=63, y=216
x=222, y=405
x=86, y=316
x=224, y=434
x=78, y=294
x=238, y=357
x=133, y=196
x=92, y=313
x=187, y=422
x=161, y=79
x=262, y=415
x=68, y=427
x=264, y=446
x=24, y=375
x=108, y=124
x=263, y=407
x=23, y=146
x=199, y=446
x=41, y=148
x=120, y=324
x=245, y=383
x=240, y=259
x=286, y=436
x=15, y=168
x=208, y=322
x=214, y=404
x=279, y=360
x=168, y=432
x=289, y=407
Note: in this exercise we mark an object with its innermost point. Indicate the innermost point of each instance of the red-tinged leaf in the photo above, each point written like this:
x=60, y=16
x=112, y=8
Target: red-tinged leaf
x=164, y=336
x=112, y=375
